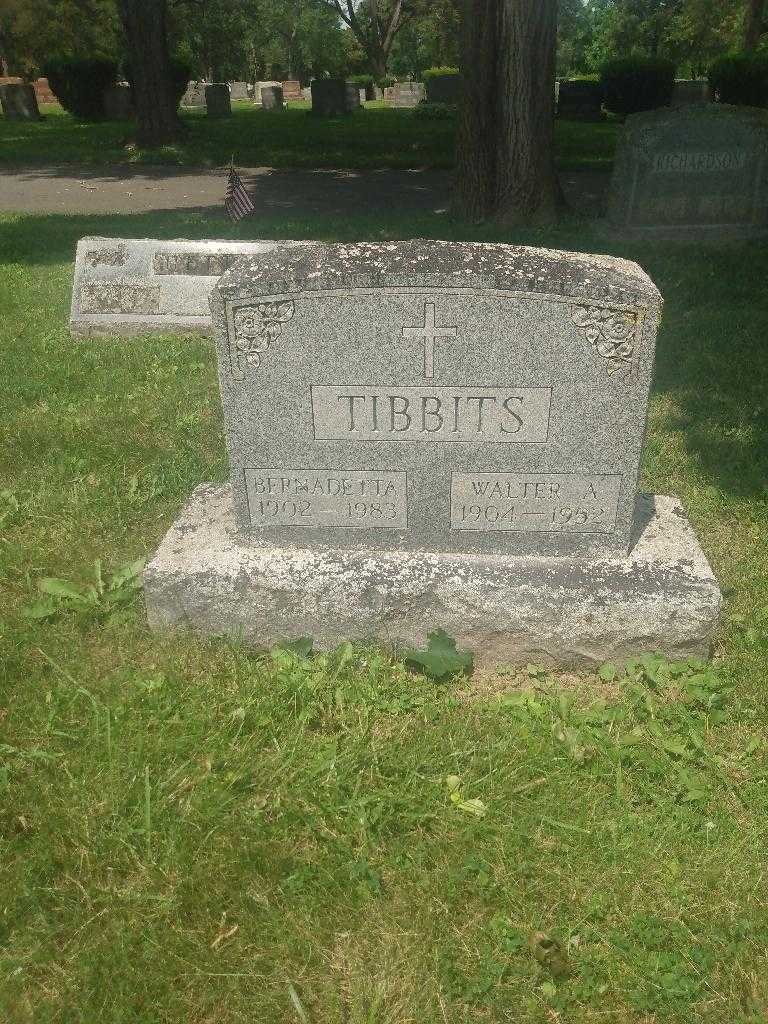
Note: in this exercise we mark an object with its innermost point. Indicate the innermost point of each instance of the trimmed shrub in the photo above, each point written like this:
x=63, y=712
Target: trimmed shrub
x=632, y=84
x=79, y=84
x=438, y=73
x=741, y=79
x=426, y=111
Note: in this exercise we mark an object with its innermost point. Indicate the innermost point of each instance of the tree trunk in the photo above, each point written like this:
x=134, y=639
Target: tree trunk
x=505, y=146
x=754, y=25
x=144, y=22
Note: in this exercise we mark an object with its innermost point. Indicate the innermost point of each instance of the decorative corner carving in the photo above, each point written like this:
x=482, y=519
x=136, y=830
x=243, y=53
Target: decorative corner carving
x=612, y=333
x=254, y=327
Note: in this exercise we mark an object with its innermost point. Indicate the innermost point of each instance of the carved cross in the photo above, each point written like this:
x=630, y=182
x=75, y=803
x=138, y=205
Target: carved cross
x=429, y=331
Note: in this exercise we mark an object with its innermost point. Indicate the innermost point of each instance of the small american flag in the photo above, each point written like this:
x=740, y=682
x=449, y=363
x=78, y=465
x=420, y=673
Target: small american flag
x=237, y=200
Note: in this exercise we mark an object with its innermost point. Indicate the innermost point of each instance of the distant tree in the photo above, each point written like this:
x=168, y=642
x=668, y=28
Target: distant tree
x=505, y=152
x=33, y=31
x=145, y=23
x=431, y=38
x=755, y=23
x=375, y=24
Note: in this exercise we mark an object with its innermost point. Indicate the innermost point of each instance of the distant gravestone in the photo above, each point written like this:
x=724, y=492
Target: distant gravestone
x=443, y=88
x=19, y=102
x=306, y=94
x=194, y=95
x=118, y=102
x=362, y=96
x=291, y=90
x=217, y=101
x=333, y=97
x=428, y=435
x=137, y=285
x=580, y=100
x=43, y=91
x=238, y=91
x=259, y=86
x=698, y=168
x=272, y=97
x=688, y=91
x=405, y=94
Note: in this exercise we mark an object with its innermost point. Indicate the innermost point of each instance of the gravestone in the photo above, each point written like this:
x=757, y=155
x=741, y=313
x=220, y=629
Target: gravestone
x=443, y=88
x=699, y=169
x=194, y=95
x=430, y=435
x=291, y=90
x=404, y=94
x=259, y=87
x=362, y=96
x=580, y=100
x=118, y=102
x=43, y=91
x=333, y=97
x=306, y=94
x=19, y=102
x=690, y=90
x=217, y=101
x=272, y=97
x=238, y=91
x=145, y=285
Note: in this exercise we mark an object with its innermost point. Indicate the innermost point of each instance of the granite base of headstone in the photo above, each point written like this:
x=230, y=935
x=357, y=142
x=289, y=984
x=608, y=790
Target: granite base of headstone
x=429, y=435
x=118, y=102
x=19, y=102
x=700, y=170
x=333, y=97
x=127, y=286
x=272, y=98
x=217, y=100
x=580, y=100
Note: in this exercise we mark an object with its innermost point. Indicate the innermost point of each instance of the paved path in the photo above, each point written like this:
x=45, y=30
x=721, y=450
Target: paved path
x=132, y=189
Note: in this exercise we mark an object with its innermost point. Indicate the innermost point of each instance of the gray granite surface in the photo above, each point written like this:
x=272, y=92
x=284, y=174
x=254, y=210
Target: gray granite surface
x=699, y=169
x=436, y=396
x=134, y=285
x=555, y=611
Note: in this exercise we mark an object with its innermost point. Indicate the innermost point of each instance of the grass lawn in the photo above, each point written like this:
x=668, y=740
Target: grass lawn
x=376, y=136
x=191, y=832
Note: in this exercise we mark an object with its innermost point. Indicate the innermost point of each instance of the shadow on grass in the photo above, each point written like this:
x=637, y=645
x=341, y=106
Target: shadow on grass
x=711, y=382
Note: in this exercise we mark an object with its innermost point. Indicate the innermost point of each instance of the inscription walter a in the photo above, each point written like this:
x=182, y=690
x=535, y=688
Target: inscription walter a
x=436, y=396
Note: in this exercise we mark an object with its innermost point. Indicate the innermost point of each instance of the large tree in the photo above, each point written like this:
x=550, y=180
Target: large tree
x=505, y=157
x=146, y=35
x=375, y=24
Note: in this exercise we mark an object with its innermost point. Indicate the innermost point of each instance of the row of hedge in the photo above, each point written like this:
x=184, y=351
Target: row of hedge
x=79, y=85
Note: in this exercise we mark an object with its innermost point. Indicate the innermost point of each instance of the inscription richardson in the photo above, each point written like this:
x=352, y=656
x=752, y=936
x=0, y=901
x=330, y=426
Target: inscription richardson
x=312, y=497
x=469, y=367
x=119, y=296
x=497, y=415
x=534, y=503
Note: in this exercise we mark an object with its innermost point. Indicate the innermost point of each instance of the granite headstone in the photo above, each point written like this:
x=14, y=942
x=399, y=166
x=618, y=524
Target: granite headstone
x=19, y=102
x=700, y=169
x=272, y=98
x=473, y=414
x=333, y=97
x=404, y=94
x=217, y=100
x=580, y=100
x=139, y=285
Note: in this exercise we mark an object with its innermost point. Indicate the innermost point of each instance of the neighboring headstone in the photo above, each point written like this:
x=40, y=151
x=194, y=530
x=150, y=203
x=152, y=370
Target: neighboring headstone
x=272, y=97
x=306, y=94
x=693, y=90
x=353, y=96
x=238, y=90
x=333, y=97
x=291, y=90
x=444, y=88
x=217, y=101
x=19, y=102
x=580, y=100
x=363, y=96
x=194, y=96
x=136, y=285
x=259, y=87
x=404, y=94
x=700, y=168
x=428, y=435
x=43, y=91
x=118, y=102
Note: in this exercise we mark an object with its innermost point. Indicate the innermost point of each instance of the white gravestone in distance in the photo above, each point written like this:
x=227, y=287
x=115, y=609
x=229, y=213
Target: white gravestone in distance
x=431, y=434
x=136, y=285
